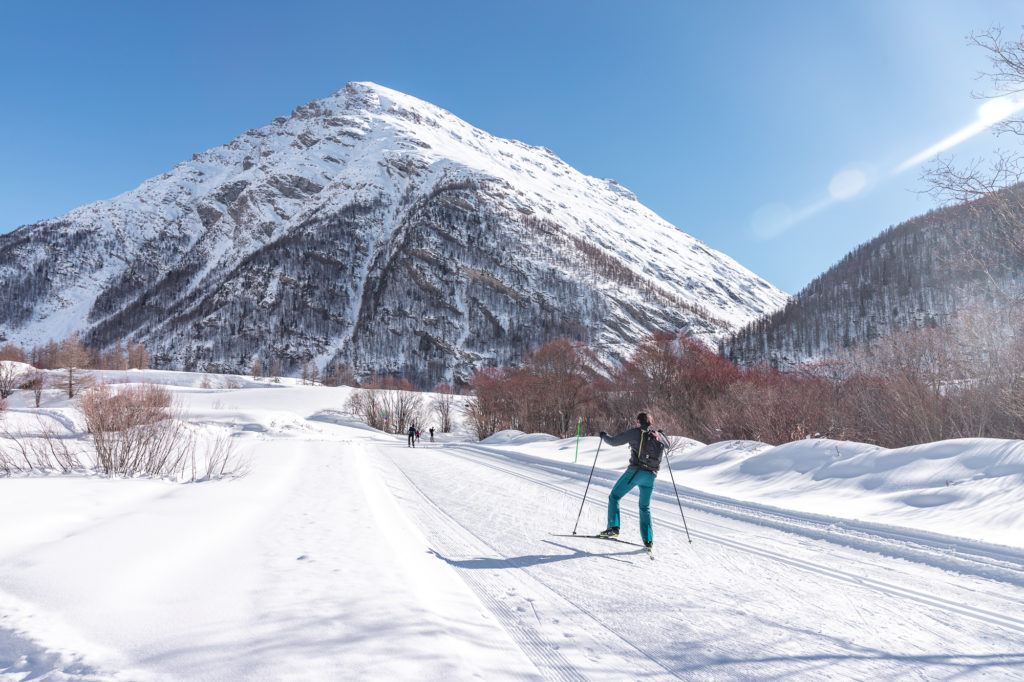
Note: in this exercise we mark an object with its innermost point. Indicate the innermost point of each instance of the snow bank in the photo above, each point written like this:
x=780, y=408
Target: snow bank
x=514, y=437
x=968, y=487
x=971, y=487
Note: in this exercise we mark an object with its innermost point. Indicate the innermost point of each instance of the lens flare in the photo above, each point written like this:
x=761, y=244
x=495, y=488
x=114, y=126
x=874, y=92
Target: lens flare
x=847, y=183
x=995, y=110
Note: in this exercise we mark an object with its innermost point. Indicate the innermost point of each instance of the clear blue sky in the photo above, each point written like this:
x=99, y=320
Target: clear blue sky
x=729, y=119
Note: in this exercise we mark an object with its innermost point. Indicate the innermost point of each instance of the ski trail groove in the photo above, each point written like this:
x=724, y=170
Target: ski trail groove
x=551, y=664
x=983, y=615
x=984, y=560
x=521, y=630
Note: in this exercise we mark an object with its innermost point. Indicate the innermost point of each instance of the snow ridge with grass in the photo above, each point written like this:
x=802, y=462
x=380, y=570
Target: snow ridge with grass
x=346, y=554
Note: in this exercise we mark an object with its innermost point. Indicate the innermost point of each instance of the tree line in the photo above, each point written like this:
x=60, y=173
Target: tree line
x=121, y=355
x=911, y=387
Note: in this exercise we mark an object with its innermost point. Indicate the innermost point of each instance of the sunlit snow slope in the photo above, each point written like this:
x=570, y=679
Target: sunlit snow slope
x=374, y=229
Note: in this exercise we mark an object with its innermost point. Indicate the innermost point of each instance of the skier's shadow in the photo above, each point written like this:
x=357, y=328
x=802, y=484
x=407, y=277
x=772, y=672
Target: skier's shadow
x=531, y=559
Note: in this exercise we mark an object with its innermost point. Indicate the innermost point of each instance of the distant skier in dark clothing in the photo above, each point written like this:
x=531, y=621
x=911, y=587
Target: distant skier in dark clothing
x=645, y=449
x=431, y=434
x=412, y=436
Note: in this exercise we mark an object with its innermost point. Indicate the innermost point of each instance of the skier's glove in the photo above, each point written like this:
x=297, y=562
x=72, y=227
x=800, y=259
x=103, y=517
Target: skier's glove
x=603, y=434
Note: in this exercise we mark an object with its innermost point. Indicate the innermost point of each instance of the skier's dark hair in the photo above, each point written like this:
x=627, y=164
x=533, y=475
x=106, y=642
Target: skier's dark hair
x=644, y=420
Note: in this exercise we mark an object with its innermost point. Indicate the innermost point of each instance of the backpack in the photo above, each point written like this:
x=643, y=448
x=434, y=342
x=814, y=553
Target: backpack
x=648, y=456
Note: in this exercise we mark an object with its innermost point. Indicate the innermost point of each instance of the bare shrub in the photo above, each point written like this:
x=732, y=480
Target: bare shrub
x=10, y=378
x=15, y=454
x=9, y=351
x=137, y=430
x=221, y=459
x=391, y=405
x=365, y=405
x=45, y=449
x=495, y=403
x=54, y=449
x=483, y=422
x=36, y=383
x=443, y=404
x=217, y=460
x=402, y=404
x=548, y=394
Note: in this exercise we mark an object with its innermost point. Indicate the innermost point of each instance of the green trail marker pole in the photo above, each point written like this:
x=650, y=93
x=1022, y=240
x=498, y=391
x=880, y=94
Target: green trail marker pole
x=579, y=420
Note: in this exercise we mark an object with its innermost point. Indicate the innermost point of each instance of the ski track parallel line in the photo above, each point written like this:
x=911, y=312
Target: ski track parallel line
x=981, y=558
x=983, y=615
x=550, y=663
x=481, y=587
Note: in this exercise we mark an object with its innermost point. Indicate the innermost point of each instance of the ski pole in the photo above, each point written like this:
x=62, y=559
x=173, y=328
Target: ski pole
x=579, y=423
x=672, y=476
x=588, y=487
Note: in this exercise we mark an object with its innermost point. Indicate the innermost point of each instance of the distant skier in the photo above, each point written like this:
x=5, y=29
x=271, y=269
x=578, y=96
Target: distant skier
x=412, y=436
x=417, y=435
x=431, y=434
x=645, y=450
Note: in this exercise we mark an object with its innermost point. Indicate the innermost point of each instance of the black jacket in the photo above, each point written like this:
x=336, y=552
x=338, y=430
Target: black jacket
x=632, y=437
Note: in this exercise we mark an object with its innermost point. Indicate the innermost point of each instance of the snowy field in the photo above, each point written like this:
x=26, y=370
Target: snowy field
x=343, y=554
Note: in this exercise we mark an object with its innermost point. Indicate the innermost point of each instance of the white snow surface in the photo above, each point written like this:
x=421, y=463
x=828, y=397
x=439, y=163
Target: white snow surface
x=345, y=554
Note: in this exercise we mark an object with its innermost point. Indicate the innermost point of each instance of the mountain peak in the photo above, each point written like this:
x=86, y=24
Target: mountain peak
x=374, y=229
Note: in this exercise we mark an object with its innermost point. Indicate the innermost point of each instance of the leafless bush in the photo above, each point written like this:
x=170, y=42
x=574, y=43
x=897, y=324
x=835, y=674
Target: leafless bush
x=365, y=405
x=54, y=449
x=483, y=421
x=443, y=404
x=45, y=449
x=36, y=383
x=218, y=460
x=391, y=406
x=221, y=460
x=404, y=408
x=137, y=430
x=10, y=377
x=548, y=394
x=15, y=455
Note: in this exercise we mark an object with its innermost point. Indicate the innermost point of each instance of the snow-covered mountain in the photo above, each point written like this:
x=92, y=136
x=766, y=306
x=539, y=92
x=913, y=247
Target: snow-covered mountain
x=925, y=272
x=376, y=230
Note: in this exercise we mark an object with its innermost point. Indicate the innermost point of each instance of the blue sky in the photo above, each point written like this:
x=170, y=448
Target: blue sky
x=729, y=119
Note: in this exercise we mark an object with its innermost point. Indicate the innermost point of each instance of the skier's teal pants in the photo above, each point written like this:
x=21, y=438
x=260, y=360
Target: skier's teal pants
x=630, y=478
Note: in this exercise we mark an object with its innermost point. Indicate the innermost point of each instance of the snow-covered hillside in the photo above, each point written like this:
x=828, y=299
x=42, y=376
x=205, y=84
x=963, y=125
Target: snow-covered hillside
x=373, y=229
x=345, y=554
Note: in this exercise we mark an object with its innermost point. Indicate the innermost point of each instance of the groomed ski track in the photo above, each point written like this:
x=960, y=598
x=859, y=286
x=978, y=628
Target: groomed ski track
x=760, y=593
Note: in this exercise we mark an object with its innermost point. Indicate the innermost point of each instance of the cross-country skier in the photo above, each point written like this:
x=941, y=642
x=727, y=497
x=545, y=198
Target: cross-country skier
x=412, y=436
x=644, y=461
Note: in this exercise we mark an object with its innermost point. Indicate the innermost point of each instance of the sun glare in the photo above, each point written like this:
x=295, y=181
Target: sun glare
x=996, y=110
x=989, y=114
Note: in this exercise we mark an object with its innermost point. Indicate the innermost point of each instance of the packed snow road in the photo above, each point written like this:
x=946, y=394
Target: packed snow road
x=743, y=601
x=345, y=554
